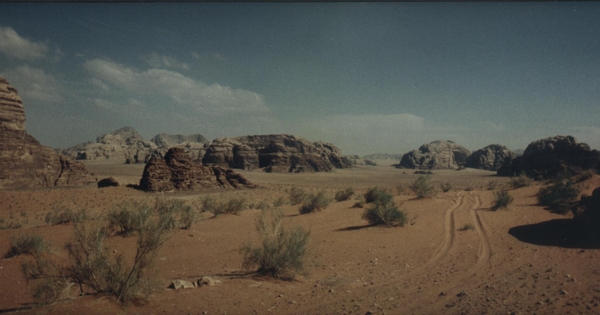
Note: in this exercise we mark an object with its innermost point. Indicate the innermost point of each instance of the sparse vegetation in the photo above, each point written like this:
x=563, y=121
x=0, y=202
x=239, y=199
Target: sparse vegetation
x=400, y=189
x=129, y=217
x=314, y=203
x=586, y=174
x=558, y=197
x=27, y=244
x=384, y=211
x=64, y=215
x=373, y=194
x=219, y=207
x=520, y=181
x=422, y=187
x=491, y=185
x=280, y=201
x=297, y=195
x=446, y=186
x=343, y=195
x=467, y=227
x=176, y=212
x=502, y=200
x=424, y=172
x=283, y=252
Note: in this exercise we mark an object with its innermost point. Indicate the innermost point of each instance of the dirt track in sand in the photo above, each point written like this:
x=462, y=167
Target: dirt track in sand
x=504, y=264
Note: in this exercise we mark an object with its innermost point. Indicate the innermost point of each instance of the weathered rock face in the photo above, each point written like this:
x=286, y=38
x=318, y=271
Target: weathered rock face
x=357, y=160
x=124, y=145
x=168, y=141
x=436, y=155
x=177, y=171
x=24, y=162
x=491, y=157
x=546, y=158
x=274, y=153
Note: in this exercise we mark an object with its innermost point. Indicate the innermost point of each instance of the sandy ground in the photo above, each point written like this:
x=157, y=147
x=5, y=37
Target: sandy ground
x=512, y=262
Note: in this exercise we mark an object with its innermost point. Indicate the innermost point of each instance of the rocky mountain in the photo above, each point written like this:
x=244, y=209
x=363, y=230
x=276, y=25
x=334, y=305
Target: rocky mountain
x=383, y=156
x=436, y=155
x=274, y=153
x=24, y=162
x=546, y=158
x=357, y=160
x=163, y=140
x=492, y=157
x=177, y=171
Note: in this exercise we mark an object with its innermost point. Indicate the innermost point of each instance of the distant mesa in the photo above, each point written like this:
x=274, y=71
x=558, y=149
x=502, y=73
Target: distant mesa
x=357, y=160
x=384, y=158
x=549, y=157
x=24, y=162
x=177, y=171
x=492, y=157
x=126, y=145
x=436, y=155
x=274, y=153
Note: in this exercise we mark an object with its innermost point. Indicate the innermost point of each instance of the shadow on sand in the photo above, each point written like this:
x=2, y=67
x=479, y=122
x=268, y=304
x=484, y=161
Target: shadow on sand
x=559, y=232
x=354, y=228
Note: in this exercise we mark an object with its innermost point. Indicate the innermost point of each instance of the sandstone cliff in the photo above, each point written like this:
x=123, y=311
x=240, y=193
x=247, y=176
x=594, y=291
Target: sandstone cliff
x=546, y=158
x=492, y=157
x=177, y=171
x=24, y=162
x=274, y=153
x=436, y=155
x=194, y=145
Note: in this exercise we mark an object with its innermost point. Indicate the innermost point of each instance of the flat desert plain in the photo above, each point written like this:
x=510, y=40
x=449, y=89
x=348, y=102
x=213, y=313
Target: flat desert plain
x=510, y=261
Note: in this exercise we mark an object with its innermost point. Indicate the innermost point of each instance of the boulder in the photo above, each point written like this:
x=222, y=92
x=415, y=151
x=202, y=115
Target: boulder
x=108, y=182
x=24, y=162
x=182, y=284
x=274, y=153
x=177, y=171
x=492, y=157
x=549, y=157
x=436, y=155
x=207, y=281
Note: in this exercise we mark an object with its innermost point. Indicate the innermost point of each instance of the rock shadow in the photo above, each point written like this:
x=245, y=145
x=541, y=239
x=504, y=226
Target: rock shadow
x=559, y=232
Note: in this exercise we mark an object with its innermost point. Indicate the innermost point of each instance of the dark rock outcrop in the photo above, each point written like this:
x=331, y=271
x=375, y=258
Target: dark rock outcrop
x=436, y=155
x=108, y=182
x=177, y=171
x=24, y=162
x=274, y=153
x=546, y=158
x=491, y=157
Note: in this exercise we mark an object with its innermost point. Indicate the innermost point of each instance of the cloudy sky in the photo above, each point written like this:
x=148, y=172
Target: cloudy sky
x=368, y=77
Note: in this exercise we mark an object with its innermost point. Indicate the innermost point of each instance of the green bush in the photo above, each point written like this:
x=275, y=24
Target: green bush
x=520, y=181
x=373, y=194
x=175, y=212
x=343, y=195
x=559, y=196
x=422, y=187
x=27, y=244
x=384, y=211
x=64, y=215
x=219, y=207
x=297, y=195
x=314, y=203
x=503, y=199
x=446, y=186
x=283, y=252
x=130, y=217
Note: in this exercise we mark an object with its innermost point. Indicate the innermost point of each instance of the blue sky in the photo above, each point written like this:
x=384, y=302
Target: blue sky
x=368, y=77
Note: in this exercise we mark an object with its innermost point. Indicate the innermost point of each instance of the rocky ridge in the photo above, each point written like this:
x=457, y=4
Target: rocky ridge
x=274, y=153
x=24, y=162
x=491, y=157
x=177, y=171
x=436, y=155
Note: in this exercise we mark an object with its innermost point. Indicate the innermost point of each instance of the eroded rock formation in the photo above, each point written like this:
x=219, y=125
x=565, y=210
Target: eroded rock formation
x=24, y=162
x=546, y=158
x=274, y=153
x=492, y=157
x=357, y=160
x=436, y=155
x=194, y=145
x=177, y=171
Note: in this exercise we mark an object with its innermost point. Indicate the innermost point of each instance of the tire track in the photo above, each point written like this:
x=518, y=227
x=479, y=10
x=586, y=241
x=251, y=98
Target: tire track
x=485, y=250
x=449, y=232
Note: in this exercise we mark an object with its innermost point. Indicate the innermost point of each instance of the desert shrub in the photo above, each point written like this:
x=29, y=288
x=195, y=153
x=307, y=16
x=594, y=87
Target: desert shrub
x=175, y=212
x=219, y=207
x=262, y=205
x=422, y=187
x=502, y=200
x=283, y=252
x=9, y=225
x=520, y=181
x=314, y=203
x=586, y=174
x=343, y=195
x=491, y=185
x=446, y=186
x=64, y=215
x=384, y=211
x=373, y=194
x=297, y=195
x=466, y=227
x=424, y=172
x=358, y=204
x=559, y=196
x=27, y=244
x=280, y=201
x=400, y=189
x=469, y=188
x=130, y=217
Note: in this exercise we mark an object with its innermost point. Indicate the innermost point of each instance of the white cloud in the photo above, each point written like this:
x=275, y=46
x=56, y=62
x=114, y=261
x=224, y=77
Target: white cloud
x=34, y=84
x=18, y=47
x=156, y=61
x=161, y=85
